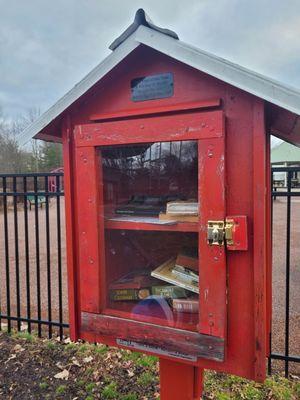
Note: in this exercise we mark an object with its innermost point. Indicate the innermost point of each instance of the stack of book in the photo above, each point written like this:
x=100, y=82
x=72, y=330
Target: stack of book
x=181, y=211
x=176, y=280
x=138, y=285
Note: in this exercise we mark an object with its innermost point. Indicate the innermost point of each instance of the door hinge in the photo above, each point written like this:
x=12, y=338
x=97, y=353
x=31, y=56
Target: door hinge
x=232, y=232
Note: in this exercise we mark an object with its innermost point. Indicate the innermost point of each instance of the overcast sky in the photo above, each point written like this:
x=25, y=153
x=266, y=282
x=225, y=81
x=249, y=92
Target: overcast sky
x=48, y=46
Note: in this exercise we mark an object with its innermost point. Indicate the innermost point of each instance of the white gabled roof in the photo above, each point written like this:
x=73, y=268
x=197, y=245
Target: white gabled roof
x=242, y=78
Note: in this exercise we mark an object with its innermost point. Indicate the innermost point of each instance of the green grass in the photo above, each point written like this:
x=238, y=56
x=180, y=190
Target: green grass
x=101, y=349
x=110, y=391
x=82, y=348
x=71, y=346
x=80, y=383
x=145, y=379
x=90, y=387
x=30, y=337
x=131, y=355
x=222, y=396
x=147, y=361
x=129, y=396
x=229, y=387
x=297, y=389
x=139, y=359
x=51, y=345
x=61, y=389
x=43, y=385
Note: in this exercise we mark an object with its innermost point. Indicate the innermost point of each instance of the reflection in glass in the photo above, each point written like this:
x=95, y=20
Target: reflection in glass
x=151, y=259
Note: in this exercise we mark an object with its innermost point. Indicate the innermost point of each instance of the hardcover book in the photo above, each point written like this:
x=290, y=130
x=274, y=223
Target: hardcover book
x=190, y=305
x=129, y=294
x=165, y=273
x=169, y=291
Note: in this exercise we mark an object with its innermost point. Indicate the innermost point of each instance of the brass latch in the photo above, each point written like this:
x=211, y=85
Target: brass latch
x=218, y=232
x=233, y=232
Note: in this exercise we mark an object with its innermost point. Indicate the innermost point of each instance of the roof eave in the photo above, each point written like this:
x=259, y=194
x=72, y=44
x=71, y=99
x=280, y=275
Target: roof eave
x=242, y=78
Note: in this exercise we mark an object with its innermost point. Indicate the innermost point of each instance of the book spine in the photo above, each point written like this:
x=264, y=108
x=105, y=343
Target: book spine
x=185, y=305
x=192, y=288
x=128, y=294
x=171, y=292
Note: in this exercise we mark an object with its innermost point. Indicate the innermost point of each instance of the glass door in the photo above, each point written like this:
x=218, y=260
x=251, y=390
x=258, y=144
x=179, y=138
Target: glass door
x=150, y=197
x=147, y=190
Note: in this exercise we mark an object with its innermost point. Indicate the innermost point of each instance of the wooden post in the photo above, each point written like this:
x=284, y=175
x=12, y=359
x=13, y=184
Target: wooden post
x=180, y=381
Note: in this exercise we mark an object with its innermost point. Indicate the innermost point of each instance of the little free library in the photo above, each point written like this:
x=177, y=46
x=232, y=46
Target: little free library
x=167, y=189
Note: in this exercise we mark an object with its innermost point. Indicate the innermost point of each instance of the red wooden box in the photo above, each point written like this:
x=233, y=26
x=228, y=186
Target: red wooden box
x=159, y=118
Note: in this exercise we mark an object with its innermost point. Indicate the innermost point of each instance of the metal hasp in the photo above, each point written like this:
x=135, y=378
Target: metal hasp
x=233, y=232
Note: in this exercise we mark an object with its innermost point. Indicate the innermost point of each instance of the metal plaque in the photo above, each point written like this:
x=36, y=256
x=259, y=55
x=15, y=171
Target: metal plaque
x=152, y=87
x=155, y=349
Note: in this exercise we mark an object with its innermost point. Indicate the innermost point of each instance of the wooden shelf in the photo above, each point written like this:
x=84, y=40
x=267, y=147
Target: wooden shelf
x=185, y=321
x=145, y=226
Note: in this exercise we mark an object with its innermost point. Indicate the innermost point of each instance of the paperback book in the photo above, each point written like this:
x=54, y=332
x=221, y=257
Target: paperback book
x=182, y=208
x=165, y=273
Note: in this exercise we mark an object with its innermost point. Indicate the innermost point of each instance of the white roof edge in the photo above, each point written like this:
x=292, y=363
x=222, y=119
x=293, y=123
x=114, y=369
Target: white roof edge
x=240, y=77
x=252, y=82
x=79, y=89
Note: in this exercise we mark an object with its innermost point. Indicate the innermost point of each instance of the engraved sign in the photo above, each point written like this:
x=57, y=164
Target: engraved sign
x=152, y=87
x=154, y=349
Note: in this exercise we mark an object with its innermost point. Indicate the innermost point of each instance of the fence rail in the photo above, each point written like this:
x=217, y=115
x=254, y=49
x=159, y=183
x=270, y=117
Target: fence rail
x=32, y=292
x=286, y=189
x=33, y=287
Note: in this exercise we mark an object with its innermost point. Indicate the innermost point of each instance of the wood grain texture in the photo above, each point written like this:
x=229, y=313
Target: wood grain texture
x=189, y=126
x=158, y=109
x=90, y=228
x=212, y=260
x=170, y=339
x=180, y=382
x=259, y=239
x=69, y=187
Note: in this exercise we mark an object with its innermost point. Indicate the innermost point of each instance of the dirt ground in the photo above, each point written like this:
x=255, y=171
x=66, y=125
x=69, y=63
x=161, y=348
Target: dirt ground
x=279, y=243
x=37, y=369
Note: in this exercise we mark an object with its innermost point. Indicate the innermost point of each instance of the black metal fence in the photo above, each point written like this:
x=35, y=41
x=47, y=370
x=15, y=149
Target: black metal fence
x=32, y=285
x=284, y=340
